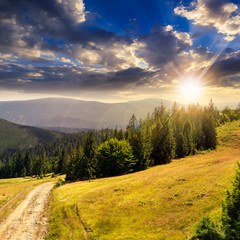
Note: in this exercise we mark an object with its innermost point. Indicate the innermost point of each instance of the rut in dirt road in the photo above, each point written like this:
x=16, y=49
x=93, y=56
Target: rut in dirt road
x=27, y=221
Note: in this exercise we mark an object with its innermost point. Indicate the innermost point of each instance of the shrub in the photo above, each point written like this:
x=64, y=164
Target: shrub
x=59, y=182
x=114, y=158
x=206, y=230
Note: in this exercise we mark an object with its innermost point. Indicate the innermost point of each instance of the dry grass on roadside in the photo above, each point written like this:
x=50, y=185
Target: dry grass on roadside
x=14, y=190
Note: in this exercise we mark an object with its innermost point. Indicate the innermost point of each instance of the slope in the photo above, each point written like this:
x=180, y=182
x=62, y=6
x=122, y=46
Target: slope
x=14, y=136
x=163, y=202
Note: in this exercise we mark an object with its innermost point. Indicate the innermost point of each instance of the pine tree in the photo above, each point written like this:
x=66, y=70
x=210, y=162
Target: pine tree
x=189, y=137
x=44, y=163
x=19, y=165
x=162, y=137
x=28, y=163
x=162, y=142
x=231, y=210
x=87, y=164
x=139, y=139
x=120, y=135
x=209, y=130
x=71, y=173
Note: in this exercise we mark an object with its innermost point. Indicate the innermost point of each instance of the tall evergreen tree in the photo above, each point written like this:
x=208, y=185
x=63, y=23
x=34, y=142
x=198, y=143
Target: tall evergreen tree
x=87, y=164
x=139, y=139
x=162, y=137
x=231, y=210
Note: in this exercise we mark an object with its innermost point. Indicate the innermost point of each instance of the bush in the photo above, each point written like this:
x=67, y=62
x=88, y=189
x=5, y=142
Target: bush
x=59, y=182
x=114, y=158
x=206, y=230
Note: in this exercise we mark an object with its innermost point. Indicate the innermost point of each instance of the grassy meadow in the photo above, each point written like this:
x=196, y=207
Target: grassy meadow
x=163, y=202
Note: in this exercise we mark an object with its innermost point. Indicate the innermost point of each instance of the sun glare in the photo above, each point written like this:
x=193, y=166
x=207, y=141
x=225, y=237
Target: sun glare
x=191, y=90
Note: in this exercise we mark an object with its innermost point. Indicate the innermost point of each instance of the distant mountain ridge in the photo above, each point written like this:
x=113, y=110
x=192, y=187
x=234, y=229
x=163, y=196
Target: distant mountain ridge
x=76, y=114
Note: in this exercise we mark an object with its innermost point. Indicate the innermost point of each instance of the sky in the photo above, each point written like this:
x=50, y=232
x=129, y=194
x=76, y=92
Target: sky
x=121, y=50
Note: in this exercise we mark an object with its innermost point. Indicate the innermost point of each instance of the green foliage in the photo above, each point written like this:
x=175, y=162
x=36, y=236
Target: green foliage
x=206, y=230
x=59, y=182
x=75, y=156
x=231, y=210
x=14, y=136
x=153, y=141
x=229, y=115
x=114, y=158
x=162, y=137
x=209, y=130
x=138, y=136
x=82, y=164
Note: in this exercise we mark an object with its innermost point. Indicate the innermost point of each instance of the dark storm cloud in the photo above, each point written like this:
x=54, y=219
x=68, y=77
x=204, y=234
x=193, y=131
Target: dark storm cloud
x=215, y=6
x=33, y=21
x=57, y=78
x=226, y=71
x=160, y=46
x=227, y=67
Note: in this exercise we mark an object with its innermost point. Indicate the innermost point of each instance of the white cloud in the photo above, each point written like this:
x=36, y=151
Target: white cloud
x=226, y=19
x=66, y=60
x=185, y=37
x=75, y=8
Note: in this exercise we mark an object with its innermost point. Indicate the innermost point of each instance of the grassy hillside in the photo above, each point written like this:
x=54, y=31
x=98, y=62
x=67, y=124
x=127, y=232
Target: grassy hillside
x=13, y=136
x=163, y=202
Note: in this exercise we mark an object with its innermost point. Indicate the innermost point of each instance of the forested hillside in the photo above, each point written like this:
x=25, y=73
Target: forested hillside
x=14, y=136
x=157, y=139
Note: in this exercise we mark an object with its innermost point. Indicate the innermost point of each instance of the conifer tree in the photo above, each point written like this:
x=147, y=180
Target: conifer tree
x=162, y=137
x=87, y=164
x=231, y=210
x=28, y=163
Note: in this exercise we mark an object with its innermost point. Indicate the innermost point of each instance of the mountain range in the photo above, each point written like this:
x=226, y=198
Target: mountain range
x=69, y=115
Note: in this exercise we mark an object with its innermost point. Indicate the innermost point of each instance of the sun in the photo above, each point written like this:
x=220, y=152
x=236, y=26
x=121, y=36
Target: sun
x=191, y=89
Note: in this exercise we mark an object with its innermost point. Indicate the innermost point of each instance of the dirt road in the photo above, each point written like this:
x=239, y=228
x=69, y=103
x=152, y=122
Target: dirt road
x=28, y=221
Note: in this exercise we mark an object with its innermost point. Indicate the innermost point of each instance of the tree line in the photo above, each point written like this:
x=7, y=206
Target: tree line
x=161, y=136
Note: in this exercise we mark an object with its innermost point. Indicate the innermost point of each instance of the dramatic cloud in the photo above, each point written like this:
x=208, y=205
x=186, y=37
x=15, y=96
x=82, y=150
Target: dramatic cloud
x=226, y=71
x=58, y=46
x=162, y=45
x=221, y=14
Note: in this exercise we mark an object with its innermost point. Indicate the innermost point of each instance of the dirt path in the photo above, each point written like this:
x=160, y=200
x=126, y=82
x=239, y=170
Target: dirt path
x=27, y=222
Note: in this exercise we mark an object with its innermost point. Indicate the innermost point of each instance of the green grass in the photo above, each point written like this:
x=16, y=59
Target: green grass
x=14, y=136
x=229, y=134
x=164, y=202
